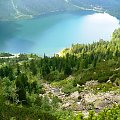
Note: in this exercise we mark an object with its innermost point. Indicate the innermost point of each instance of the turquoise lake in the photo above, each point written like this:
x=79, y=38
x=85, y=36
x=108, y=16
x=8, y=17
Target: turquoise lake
x=51, y=33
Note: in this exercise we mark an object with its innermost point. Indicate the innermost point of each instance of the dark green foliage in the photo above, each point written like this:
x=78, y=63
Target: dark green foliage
x=67, y=70
x=23, y=113
x=21, y=84
x=103, y=79
x=33, y=68
x=38, y=101
x=21, y=78
x=55, y=76
x=45, y=70
x=6, y=71
x=18, y=70
x=1, y=73
x=69, y=88
x=5, y=55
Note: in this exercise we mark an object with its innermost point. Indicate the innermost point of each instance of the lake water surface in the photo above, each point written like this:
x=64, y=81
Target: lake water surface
x=52, y=33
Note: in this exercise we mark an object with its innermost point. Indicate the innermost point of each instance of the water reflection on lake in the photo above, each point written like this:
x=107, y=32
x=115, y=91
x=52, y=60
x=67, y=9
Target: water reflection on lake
x=50, y=34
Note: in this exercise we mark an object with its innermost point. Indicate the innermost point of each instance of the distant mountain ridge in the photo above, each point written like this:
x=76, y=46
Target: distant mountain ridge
x=16, y=9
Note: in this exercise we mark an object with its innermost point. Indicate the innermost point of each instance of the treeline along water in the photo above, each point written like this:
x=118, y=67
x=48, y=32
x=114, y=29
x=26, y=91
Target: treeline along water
x=51, y=33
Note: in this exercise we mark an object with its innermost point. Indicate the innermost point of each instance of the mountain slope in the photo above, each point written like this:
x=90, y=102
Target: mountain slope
x=16, y=9
x=111, y=6
x=13, y=9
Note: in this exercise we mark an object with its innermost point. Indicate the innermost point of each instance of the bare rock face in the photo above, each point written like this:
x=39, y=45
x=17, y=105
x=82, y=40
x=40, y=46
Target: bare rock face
x=90, y=97
x=89, y=100
x=102, y=100
x=100, y=104
x=75, y=95
x=66, y=105
x=85, y=100
x=91, y=83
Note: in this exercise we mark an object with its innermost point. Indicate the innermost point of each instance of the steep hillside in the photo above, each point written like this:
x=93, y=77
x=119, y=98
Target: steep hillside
x=111, y=6
x=16, y=9
x=86, y=78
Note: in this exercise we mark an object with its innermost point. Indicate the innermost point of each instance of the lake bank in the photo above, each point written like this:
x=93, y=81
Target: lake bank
x=51, y=34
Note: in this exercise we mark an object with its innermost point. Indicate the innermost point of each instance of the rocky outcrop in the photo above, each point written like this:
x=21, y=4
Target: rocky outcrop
x=85, y=100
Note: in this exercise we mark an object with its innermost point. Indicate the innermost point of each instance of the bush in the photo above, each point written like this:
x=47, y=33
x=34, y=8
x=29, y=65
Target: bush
x=55, y=76
x=23, y=113
x=103, y=79
x=69, y=88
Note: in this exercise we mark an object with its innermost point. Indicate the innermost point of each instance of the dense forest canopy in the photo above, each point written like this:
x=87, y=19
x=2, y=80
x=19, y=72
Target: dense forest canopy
x=22, y=80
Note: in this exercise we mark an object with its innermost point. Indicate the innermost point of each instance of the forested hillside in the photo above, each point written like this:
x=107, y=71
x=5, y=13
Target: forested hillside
x=58, y=87
x=21, y=9
x=112, y=6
